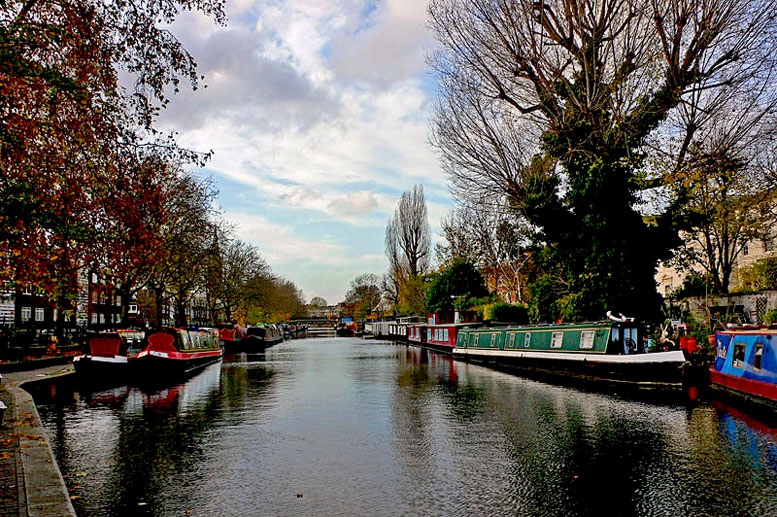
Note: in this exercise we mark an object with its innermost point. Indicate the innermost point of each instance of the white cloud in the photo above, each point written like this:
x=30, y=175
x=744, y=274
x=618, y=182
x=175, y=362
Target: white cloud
x=316, y=106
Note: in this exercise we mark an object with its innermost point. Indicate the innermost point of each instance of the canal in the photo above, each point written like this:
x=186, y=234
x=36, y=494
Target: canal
x=342, y=426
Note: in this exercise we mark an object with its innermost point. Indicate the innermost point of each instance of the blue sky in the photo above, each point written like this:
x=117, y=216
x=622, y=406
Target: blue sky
x=318, y=114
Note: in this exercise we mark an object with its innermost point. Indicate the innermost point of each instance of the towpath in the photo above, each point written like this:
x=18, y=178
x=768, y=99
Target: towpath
x=31, y=484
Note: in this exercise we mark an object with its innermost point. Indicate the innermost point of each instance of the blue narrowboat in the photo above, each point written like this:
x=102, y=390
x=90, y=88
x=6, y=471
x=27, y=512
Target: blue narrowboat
x=746, y=364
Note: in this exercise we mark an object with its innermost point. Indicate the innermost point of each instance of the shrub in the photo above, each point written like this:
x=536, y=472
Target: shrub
x=506, y=312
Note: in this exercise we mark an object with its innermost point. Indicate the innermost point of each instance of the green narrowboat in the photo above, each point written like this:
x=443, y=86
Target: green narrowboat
x=610, y=351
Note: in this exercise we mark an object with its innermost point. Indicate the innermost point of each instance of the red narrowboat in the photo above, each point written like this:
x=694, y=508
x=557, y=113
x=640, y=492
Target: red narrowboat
x=175, y=352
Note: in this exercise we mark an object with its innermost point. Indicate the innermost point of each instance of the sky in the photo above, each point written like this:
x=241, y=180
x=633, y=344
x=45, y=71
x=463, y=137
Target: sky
x=317, y=113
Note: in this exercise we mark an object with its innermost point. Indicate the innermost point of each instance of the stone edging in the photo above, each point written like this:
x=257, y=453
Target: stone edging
x=45, y=492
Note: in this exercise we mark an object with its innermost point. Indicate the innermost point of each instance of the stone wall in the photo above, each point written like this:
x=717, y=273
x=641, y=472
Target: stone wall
x=753, y=306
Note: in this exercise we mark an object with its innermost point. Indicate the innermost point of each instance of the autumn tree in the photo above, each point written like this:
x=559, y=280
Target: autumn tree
x=558, y=105
x=362, y=296
x=234, y=271
x=68, y=128
x=408, y=248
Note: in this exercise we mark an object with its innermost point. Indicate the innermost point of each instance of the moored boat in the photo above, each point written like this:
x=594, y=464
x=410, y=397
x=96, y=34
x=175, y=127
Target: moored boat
x=110, y=355
x=175, y=352
x=442, y=329
x=608, y=351
x=746, y=365
x=232, y=338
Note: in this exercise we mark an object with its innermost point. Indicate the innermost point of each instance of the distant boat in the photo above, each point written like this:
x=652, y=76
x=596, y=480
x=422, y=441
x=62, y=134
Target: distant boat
x=607, y=351
x=232, y=338
x=110, y=355
x=174, y=352
x=746, y=365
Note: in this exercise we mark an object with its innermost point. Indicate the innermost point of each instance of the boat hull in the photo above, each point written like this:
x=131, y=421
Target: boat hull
x=249, y=345
x=102, y=368
x=152, y=366
x=754, y=393
x=661, y=370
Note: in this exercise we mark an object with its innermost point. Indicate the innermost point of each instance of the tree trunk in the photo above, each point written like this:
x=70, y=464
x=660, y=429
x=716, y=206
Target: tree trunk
x=158, y=306
x=180, y=312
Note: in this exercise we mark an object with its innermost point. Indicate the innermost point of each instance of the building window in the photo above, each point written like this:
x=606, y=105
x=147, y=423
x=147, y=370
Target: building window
x=94, y=317
x=26, y=313
x=768, y=244
x=133, y=309
x=38, y=313
x=102, y=318
x=94, y=278
x=745, y=249
x=27, y=289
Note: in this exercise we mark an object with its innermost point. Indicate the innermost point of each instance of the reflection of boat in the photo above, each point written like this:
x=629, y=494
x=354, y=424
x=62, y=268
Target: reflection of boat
x=186, y=396
x=173, y=352
x=746, y=365
x=110, y=355
x=600, y=351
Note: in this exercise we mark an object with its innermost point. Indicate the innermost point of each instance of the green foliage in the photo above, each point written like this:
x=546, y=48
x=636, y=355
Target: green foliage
x=695, y=284
x=771, y=317
x=506, y=312
x=543, y=299
x=761, y=275
x=460, y=280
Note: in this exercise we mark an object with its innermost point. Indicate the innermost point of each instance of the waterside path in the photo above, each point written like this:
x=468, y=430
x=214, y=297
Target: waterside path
x=31, y=484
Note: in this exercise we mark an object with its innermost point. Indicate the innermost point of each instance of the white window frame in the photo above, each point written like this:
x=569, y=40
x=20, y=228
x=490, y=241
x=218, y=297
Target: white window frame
x=40, y=314
x=557, y=339
x=587, y=339
x=527, y=340
x=26, y=313
x=493, y=339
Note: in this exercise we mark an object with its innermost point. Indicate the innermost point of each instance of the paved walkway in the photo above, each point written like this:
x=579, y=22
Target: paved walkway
x=30, y=482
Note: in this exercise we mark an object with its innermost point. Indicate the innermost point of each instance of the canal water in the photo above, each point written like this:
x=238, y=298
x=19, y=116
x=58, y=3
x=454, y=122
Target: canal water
x=343, y=426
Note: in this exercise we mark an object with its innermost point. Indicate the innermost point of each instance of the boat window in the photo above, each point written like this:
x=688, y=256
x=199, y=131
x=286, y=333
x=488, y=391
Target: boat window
x=493, y=339
x=616, y=334
x=556, y=339
x=527, y=340
x=473, y=340
x=477, y=339
x=184, y=340
x=445, y=335
x=738, y=359
x=758, y=357
x=587, y=339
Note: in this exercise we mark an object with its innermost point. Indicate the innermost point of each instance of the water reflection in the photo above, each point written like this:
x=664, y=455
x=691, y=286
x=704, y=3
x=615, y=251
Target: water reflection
x=372, y=428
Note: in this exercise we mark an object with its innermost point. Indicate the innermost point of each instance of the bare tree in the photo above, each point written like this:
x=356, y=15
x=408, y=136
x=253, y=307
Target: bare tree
x=559, y=105
x=493, y=239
